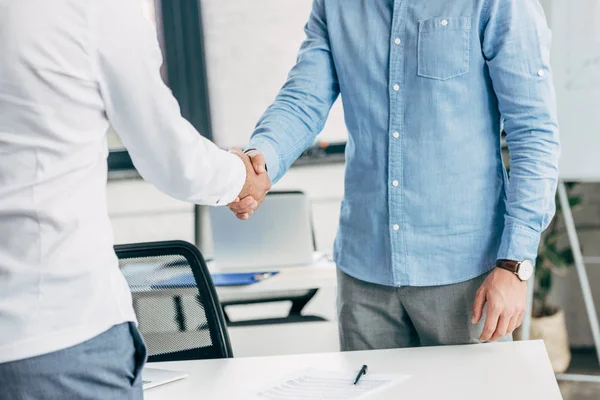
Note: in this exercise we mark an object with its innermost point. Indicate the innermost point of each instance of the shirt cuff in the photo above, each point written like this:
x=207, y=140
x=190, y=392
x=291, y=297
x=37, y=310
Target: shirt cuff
x=271, y=157
x=237, y=175
x=519, y=243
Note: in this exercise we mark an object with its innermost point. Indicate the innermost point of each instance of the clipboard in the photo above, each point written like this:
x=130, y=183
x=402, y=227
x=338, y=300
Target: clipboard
x=219, y=279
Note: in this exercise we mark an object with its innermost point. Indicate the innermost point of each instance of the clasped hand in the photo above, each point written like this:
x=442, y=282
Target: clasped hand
x=256, y=187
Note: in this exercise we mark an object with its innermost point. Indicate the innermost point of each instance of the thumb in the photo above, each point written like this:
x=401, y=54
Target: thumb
x=237, y=151
x=258, y=161
x=478, y=306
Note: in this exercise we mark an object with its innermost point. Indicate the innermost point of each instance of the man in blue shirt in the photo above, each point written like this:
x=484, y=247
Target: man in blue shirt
x=430, y=228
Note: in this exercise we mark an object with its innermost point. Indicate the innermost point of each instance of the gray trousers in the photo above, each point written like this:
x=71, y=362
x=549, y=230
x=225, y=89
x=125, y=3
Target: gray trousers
x=373, y=316
x=103, y=368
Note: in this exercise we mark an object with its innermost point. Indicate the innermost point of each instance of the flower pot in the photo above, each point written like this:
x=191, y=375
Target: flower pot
x=553, y=331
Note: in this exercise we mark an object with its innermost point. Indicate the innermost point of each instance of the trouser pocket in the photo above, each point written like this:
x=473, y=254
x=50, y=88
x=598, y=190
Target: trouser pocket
x=141, y=352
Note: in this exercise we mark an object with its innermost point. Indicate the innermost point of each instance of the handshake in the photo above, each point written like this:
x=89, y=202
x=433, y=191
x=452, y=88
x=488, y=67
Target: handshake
x=256, y=187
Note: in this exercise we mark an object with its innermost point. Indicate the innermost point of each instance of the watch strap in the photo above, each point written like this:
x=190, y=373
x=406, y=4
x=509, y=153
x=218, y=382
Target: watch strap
x=509, y=265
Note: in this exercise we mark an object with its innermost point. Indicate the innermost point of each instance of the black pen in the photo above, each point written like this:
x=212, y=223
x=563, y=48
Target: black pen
x=363, y=371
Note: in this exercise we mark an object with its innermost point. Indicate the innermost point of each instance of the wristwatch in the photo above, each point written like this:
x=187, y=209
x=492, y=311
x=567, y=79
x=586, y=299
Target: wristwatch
x=523, y=270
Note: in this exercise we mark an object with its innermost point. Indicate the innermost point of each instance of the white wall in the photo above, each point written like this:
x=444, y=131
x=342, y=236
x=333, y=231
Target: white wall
x=141, y=213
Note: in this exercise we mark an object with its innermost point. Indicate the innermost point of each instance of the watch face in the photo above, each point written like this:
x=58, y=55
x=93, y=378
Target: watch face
x=525, y=270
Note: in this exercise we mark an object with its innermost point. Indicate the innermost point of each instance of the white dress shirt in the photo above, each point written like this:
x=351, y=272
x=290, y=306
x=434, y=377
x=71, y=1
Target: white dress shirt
x=68, y=69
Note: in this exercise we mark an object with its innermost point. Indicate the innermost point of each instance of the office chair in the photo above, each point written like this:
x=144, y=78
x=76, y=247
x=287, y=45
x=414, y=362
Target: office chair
x=179, y=314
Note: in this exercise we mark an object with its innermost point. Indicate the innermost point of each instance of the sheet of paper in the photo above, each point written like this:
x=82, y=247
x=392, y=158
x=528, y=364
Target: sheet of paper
x=317, y=384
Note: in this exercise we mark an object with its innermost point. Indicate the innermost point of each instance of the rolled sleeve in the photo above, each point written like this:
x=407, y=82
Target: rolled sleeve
x=271, y=157
x=516, y=46
x=519, y=243
x=236, y=176
x=291, y=124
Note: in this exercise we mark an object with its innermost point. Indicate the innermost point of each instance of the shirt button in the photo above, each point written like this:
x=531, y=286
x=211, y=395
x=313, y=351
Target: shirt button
x=395, y=183
x=396, y=135
x=444, y=22
x=396, y=88
x=396, y=227
x=541, y=73
x=397, y=41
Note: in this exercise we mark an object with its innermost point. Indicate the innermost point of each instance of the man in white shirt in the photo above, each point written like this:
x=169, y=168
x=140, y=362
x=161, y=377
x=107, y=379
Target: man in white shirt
x=68, y=69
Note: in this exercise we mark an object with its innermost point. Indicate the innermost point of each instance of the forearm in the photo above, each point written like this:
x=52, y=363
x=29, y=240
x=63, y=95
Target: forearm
x=517, y=48
x=302, y=106
x=164, y=147
x=282, y=137
x=530, y=197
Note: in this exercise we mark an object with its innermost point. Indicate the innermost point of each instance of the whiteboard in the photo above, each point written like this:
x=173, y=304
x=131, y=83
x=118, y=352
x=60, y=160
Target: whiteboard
x=576, y=66
x=250, y=47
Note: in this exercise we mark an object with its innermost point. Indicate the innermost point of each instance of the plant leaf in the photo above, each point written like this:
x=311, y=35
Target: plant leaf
x=554, y=257
x=575, y=201
x=568, y=257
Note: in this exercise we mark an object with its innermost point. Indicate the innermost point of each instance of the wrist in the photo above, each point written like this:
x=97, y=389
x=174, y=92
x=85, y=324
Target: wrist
x=245, y=190
x=522, y=270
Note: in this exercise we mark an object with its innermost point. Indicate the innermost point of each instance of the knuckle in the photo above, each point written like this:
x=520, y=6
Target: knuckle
x=496, y=308
x=518, y=324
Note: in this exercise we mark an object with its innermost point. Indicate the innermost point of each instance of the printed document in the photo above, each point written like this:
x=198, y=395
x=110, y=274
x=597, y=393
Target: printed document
x=317, y=384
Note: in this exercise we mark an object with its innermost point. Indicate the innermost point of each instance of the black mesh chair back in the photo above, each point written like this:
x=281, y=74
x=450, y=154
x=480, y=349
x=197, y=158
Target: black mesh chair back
x=179, y=314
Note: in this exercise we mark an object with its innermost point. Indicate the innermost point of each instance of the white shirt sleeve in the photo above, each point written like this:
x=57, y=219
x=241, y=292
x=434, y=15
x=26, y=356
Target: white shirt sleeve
x=165, y=148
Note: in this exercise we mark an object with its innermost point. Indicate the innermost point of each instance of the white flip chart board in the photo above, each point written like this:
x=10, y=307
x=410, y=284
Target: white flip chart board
x=250, y=46
x=575, y=61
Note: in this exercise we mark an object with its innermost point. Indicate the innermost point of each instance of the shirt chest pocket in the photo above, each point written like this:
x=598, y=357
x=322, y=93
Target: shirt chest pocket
x=444, y=47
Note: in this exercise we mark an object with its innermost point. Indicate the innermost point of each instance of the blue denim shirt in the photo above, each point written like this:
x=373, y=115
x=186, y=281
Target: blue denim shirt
x=427, y=88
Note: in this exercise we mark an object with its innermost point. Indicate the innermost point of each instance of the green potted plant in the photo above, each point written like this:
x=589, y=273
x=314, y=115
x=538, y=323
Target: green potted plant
x=554, y=258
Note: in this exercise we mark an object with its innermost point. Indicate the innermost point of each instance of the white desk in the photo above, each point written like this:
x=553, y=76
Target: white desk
x=317, y=276
x=289, y=279
x=503, y=371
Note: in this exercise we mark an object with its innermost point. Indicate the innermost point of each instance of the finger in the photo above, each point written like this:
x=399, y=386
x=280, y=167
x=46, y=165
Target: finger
x=246, y=205
x=258, y=161
x=242, y=216
x=513, y=324
x=236, y=150
x=502, y=328
x=520, y=319
x=491, y=322
x=241, y=210
x=246, y=212
x=234, y=202
x=478, y=306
